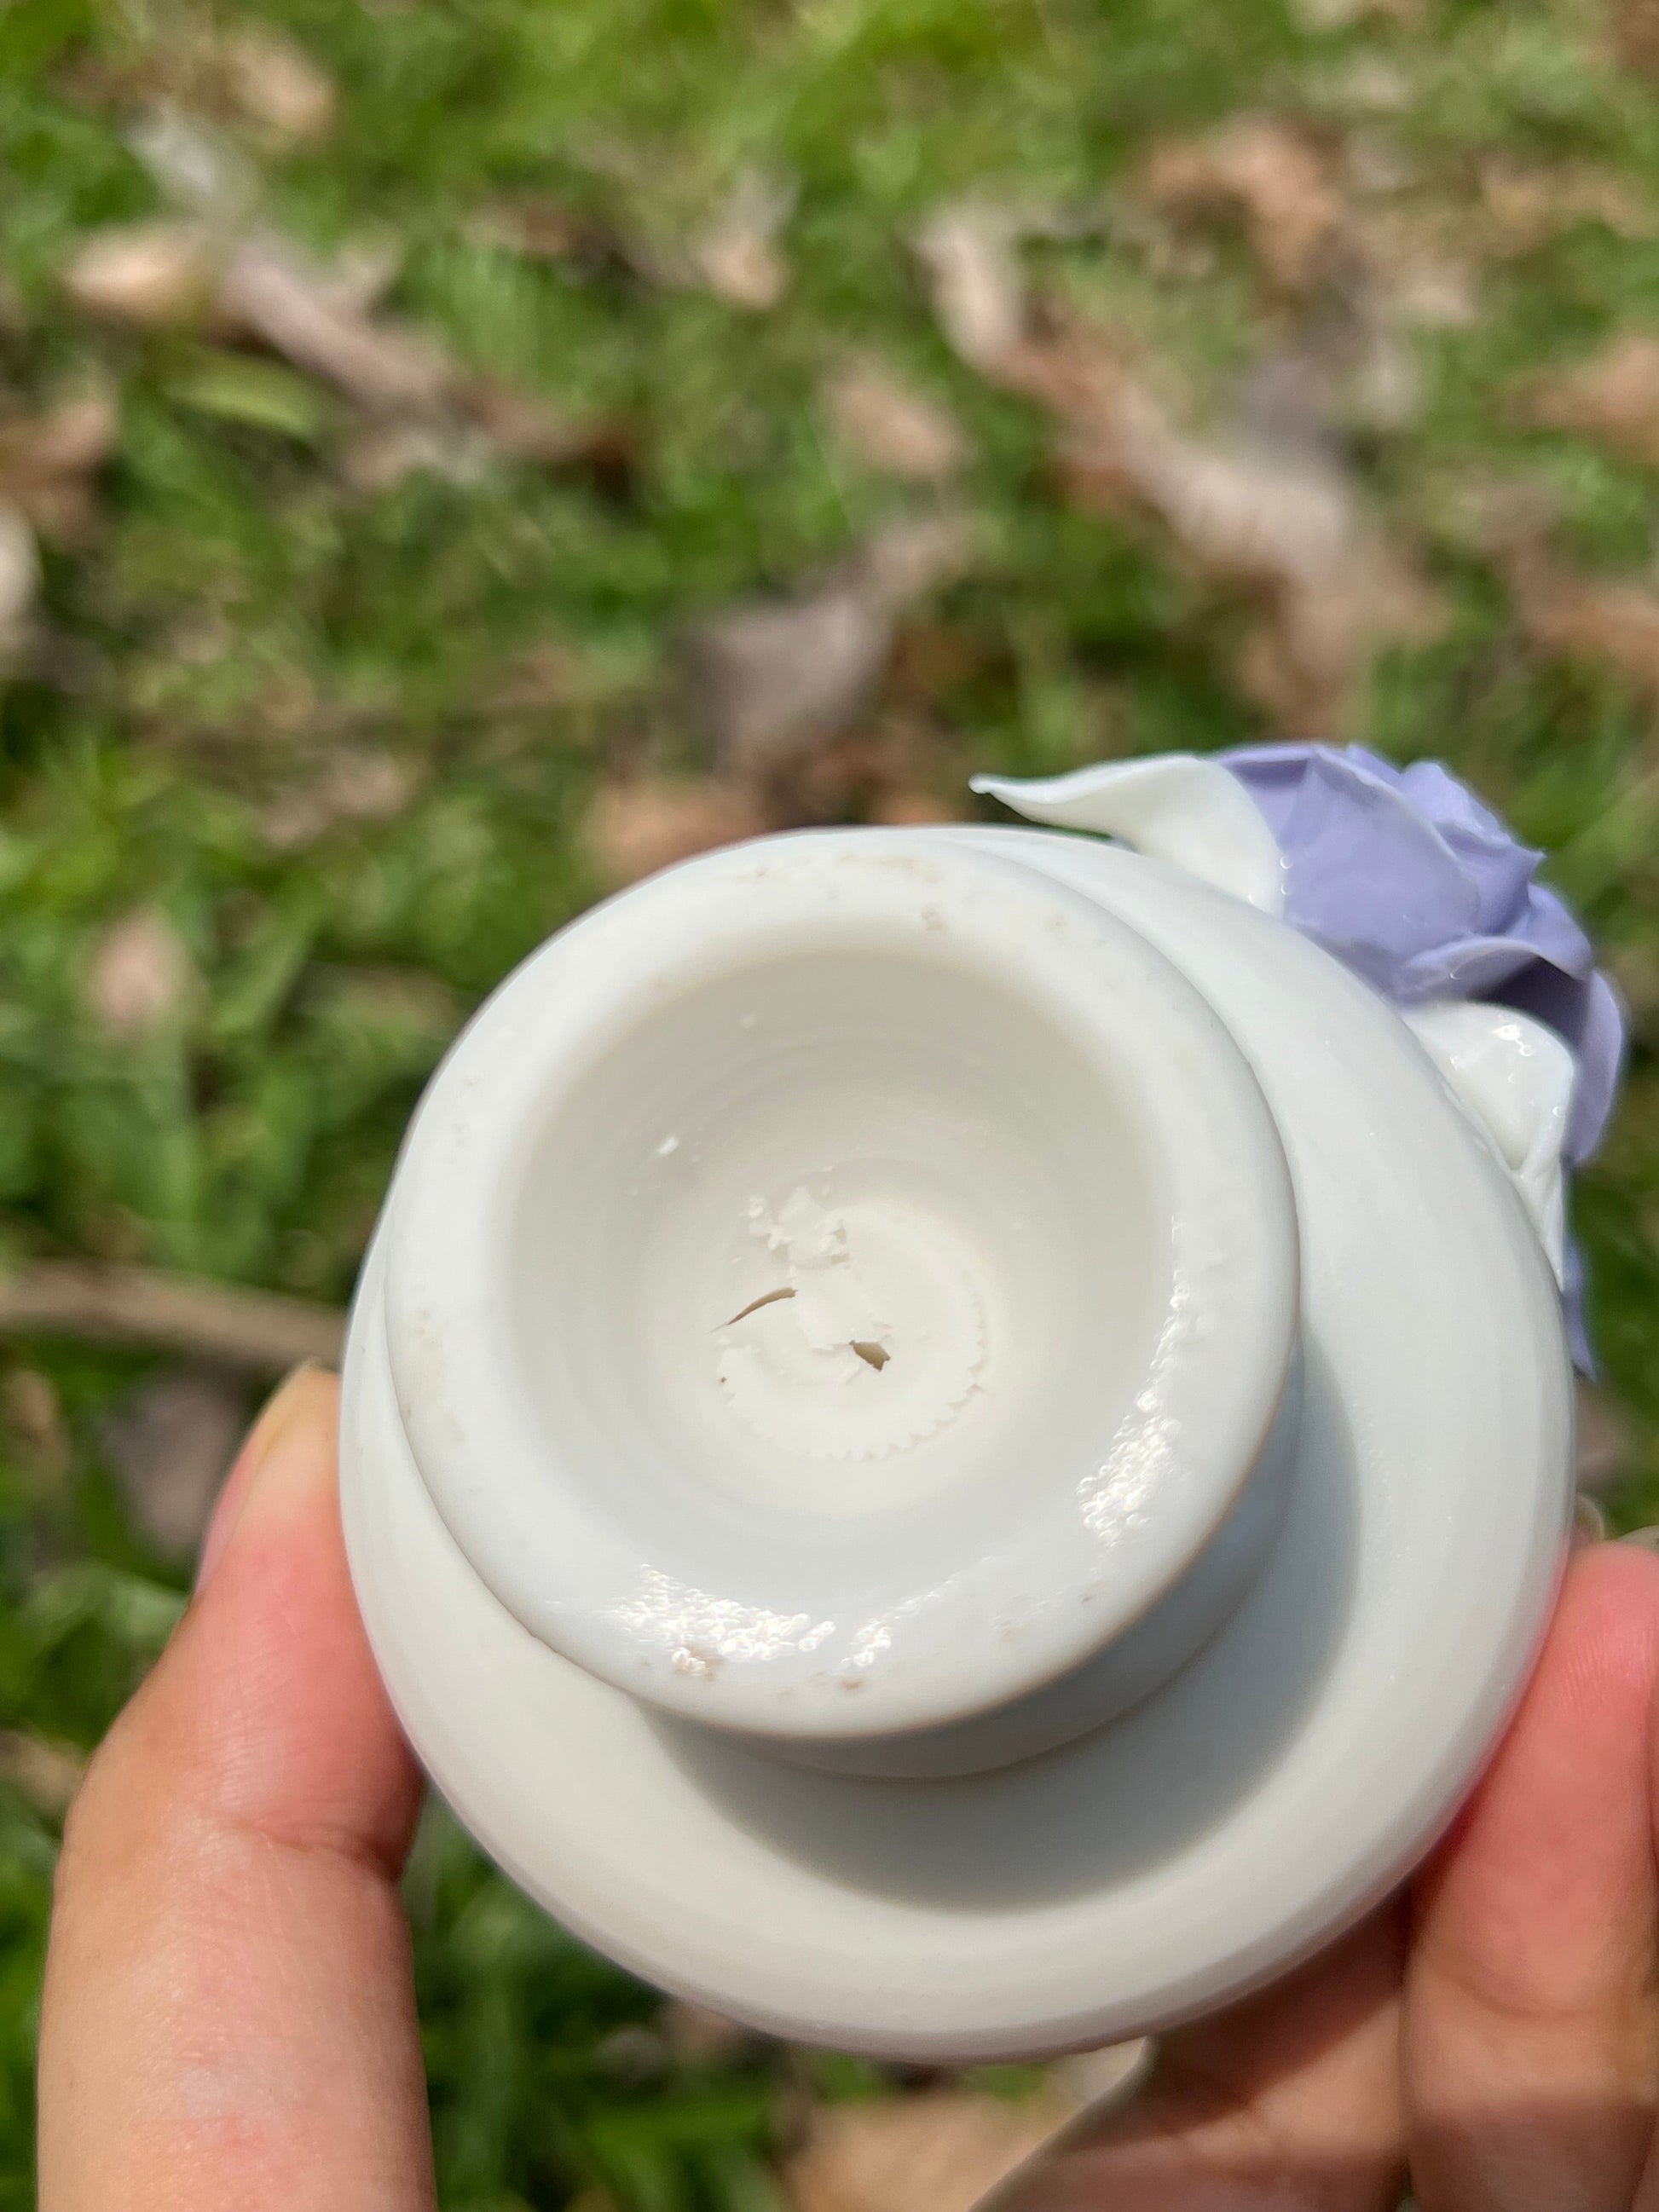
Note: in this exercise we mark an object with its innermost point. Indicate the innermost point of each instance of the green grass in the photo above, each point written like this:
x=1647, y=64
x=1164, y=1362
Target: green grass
x=241, y=615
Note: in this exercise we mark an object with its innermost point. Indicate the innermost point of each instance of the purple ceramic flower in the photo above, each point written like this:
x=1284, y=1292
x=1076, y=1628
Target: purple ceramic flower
x=1406, y=876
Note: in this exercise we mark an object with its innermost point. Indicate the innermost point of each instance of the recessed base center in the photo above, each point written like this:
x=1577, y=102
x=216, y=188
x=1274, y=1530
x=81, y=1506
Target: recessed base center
x=872, y=1339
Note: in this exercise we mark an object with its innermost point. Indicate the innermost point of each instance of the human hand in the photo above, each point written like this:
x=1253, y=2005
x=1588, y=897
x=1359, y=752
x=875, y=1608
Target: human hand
x=229, y=2021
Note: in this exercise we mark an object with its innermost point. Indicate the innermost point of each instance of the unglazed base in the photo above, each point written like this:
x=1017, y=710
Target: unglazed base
x=1230, y=1822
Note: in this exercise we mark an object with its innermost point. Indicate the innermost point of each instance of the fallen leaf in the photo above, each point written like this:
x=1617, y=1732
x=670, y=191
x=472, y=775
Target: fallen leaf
x=20, y=579
x=522, y=424
x=277, y=85
x=33, y=1416
x=245, y=73
x=171, y=1442
x=1526, y=203
x=890, y=427
x=774, y=679
x=967, y=250
x=1636, y=38
x=1272, y=176
x=543, y=229
x=635, y=828
x=141, y=975
x=1272, y=516
x=1613, y=395
x=271, y=289
x=939, y=2152
x=152, y=275
x=320, y=318
x=1275, y=516
x=42, y=1769
x=70, y=440
x=1592, y=618
x=738, y=257
x=354, y=787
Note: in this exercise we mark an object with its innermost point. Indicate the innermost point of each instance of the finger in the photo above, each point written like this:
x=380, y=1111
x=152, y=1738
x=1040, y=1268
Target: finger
x=229, y=2016
x=1532, y=2020
x=1288, y=2102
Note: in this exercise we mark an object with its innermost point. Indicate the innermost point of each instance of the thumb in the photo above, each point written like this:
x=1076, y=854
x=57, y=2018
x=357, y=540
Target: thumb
x=229, y=2016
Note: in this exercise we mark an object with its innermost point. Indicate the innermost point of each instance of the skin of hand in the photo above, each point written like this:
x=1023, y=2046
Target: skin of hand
x=228, y=2018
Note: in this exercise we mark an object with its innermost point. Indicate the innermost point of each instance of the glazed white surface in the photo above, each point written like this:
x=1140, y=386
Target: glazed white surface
x=1229, y=1822
x=988, y=1077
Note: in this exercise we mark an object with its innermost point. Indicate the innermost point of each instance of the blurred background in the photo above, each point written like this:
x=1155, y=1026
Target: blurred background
x=455, y=459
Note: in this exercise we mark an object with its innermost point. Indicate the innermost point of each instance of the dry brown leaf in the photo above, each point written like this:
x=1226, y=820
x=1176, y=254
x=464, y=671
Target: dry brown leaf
x=1636, y=37
x=384, y=449
x=891, y=426
x=171, y=1442
x=1272, y=176
x=152, y=275
x=425, y=410
x=47, y=462
x=249, y=73
x=527, y=426
x=277, y=85
x=774, y=680
x=258, y=1330
x=281, y=296
x=42, y=1769
x=542, y=229
x=33, y=1415
x=1528, y=203
x=649, y=823
x=20, y=579
x=738, y=257
x=1278, y=519
x=1589, y=618
x=1274, y=516
x=967, y=250
x=1613, y=395
x=70, y=440
x=141, y=975
x=354, y=787
x=936, y=2153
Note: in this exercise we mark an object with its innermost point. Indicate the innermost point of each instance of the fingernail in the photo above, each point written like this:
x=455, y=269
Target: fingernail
x=261, y=1440
x=1646, y=1540
x=1590, y=1523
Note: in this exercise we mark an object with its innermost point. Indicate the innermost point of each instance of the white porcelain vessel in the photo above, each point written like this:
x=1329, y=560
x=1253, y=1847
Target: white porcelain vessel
x=956, y=1443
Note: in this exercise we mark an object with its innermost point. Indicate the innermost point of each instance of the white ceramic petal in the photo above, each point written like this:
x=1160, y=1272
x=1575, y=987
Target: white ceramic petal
x=1515, y=1077
x=1178, y=807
